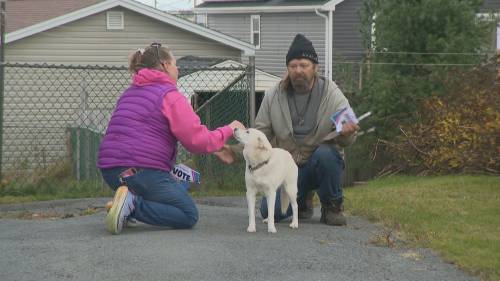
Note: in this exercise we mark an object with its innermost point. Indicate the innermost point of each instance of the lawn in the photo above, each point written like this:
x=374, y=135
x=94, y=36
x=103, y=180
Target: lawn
x=22, y=191
x=458, y=216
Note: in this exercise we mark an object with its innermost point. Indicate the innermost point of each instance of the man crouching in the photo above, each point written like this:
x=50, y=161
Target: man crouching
x=296, y=115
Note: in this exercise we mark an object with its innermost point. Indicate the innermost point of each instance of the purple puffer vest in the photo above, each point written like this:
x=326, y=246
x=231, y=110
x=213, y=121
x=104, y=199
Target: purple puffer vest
x=138, y=133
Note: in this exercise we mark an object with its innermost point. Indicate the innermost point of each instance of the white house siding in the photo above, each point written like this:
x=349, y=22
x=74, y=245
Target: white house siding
x=277, y=33
x=347, y=40
x=40, y=104
x=236, y=25
x=491, y=5
x=279, y=29
x=86, y=41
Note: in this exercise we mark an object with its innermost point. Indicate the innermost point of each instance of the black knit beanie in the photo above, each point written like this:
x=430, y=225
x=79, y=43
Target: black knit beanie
x=301, y=48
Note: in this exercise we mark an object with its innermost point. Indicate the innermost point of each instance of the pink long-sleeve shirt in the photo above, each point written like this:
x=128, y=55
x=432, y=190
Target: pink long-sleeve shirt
x=184, y=124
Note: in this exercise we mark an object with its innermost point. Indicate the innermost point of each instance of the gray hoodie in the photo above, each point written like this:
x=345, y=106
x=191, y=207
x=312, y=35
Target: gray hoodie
x=275, y=122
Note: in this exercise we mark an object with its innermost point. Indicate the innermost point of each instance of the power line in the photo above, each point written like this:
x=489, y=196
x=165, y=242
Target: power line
x=408, y=64
x=410, y=53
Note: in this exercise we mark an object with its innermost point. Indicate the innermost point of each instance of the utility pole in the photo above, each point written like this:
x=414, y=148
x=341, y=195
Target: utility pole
x=2, y=76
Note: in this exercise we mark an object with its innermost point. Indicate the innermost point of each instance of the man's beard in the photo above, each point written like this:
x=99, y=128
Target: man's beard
x=301, y=84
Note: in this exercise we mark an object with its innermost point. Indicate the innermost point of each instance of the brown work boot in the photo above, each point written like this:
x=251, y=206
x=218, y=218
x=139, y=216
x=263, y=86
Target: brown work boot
x=331, y=213
x=307, y=211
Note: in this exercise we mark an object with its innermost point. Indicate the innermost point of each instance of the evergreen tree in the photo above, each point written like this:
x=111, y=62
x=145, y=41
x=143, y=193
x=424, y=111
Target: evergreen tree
x=414, y=45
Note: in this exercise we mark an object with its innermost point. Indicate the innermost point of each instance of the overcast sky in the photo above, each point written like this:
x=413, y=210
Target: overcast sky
x=170, y=4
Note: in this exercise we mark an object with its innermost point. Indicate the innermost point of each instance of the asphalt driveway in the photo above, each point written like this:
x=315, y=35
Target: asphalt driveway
x=67, y=240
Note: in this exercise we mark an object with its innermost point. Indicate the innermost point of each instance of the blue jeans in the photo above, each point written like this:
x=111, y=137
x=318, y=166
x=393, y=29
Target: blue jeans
x=161, y=200
x=323, y=171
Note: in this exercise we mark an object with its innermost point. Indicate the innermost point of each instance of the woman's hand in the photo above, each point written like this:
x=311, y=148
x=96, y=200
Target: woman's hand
x=236, y=125
x=225, y=155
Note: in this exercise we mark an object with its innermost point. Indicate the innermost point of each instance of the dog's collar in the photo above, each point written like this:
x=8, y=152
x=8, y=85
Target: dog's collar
x=258, y=165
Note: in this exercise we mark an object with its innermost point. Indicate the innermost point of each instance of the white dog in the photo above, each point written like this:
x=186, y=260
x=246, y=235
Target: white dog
x=267, y=169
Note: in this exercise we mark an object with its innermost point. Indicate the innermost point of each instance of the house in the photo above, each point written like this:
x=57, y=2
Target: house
x=493, y=7
x=41, y=103
x=105, y=32
x=270, y=25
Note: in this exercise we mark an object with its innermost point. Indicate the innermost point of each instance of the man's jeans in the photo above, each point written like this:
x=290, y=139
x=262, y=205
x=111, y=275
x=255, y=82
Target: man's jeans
x=161, y=200
x=323, y=171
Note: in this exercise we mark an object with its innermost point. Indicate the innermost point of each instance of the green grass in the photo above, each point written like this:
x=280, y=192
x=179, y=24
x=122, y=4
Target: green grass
x=22, y=192
x=27, y=191
x=58, y=182
x=51, y=188
x=48, y=183
x=458, y=216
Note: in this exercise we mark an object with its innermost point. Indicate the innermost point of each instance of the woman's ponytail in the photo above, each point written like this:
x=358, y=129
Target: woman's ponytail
x=150, y=57
x=135, y=61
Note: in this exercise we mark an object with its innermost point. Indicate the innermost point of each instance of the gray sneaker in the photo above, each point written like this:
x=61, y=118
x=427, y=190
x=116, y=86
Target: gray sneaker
x=130, y=222
x=123, y=206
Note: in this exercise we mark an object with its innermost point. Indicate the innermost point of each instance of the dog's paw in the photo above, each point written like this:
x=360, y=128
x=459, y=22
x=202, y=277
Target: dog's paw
x=264, y=220
x=294, y=225
x=271, y=229
x=251, y=228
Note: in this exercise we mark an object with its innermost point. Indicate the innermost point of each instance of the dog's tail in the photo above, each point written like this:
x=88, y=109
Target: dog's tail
x=285, y=201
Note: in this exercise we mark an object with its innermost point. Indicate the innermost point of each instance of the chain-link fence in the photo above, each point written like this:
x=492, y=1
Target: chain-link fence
x=348, y=76
x=57, y=114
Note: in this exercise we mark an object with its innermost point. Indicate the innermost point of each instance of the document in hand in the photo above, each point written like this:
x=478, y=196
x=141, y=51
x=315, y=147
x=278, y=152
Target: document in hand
x=343, y=116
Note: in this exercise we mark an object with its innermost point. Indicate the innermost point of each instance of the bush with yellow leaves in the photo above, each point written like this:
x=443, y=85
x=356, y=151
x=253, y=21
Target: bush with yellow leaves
x=458, y=132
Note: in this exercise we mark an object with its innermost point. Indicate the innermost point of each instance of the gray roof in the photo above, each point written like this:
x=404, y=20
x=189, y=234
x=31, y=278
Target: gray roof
x=190, y=64
x=261, y=3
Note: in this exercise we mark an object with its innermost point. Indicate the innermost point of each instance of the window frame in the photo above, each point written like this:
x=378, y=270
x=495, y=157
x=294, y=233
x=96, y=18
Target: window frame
x=252, y=31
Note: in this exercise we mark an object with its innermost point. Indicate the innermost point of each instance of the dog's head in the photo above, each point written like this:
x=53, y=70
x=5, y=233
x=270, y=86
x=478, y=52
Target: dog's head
x=252, y=139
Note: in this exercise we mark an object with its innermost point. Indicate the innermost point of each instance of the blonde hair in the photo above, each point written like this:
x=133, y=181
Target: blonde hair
x=150, y=57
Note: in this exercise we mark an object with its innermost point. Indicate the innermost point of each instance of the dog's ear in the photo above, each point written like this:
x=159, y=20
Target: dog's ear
x=260, y=144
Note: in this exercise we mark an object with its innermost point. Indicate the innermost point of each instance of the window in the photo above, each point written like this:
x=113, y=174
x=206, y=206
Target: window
x=201, y=19
x=255, y=30
x=114, y=20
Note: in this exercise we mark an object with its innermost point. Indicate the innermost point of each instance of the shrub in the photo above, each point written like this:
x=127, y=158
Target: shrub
x=460, y=131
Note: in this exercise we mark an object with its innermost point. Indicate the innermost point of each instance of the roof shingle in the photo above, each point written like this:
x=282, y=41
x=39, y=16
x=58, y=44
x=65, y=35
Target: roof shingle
x=260, y=3
x=23, y=13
